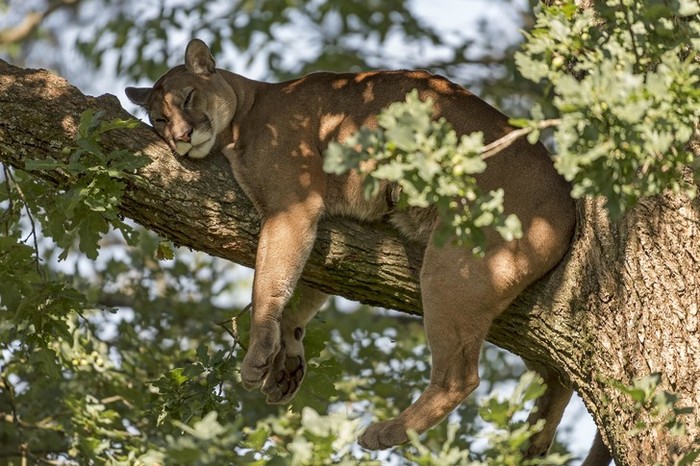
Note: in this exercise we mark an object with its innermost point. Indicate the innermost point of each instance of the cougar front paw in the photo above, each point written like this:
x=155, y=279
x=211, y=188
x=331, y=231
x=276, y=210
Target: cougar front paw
x=259, y=359
x=285, y=378
x=385, y=434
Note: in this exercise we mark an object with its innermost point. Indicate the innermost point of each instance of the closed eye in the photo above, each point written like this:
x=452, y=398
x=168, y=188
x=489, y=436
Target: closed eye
x=188, y=98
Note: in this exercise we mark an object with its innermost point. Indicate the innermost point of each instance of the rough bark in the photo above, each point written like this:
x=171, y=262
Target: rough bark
x=622, y=305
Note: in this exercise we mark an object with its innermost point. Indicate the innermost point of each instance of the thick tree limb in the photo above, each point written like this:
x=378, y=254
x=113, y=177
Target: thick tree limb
x=622, y=305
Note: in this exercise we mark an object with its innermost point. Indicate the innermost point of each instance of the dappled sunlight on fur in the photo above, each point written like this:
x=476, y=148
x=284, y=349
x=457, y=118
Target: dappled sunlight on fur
x=275, y=135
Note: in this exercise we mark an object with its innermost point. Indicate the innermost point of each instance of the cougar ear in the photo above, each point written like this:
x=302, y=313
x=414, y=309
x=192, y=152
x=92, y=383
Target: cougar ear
x=198, y=58
x=138, y=95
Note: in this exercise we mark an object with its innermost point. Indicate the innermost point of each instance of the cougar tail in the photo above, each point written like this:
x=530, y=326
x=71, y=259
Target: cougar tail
x=599, y=455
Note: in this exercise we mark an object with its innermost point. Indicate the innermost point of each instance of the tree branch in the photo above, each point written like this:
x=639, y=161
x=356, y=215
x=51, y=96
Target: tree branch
x=31, y=22
x=500, y=144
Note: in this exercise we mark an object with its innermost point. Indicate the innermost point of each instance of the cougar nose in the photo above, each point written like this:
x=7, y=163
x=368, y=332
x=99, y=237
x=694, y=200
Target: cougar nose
x=184, y=135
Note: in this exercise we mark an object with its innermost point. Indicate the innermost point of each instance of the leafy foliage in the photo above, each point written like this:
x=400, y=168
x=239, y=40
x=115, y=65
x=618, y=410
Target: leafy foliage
x=625, y=79
x=40, y=305
x=95, y=186
x=431, y=166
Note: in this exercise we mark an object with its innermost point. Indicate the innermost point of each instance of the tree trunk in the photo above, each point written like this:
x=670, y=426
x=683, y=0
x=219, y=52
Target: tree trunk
x=622, y=305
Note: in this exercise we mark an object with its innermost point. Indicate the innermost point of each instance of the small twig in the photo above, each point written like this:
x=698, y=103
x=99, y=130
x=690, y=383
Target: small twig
x=224, y=324
x=233, y=329
x=31, y=22
x=499, y=144
x=10, y=199
x=230, y=326
x=9, y=389
x=114, y=399
x=32, y=223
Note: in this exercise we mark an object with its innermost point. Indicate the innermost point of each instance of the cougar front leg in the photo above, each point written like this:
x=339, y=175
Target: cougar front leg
x=289, y=365
x=285, y=242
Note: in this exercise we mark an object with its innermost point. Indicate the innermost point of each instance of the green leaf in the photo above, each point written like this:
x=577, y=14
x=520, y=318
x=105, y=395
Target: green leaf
x=45, y=359
x=203, y=354
x=688, y=8
x=90, y=230
x=176, y=376
x=257, y=438
x=402, y=136
x=511, y=228
x=208, y=428
x=165, y=251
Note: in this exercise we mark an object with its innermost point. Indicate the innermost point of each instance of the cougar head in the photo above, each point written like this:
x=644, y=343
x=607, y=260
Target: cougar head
x=189, y=105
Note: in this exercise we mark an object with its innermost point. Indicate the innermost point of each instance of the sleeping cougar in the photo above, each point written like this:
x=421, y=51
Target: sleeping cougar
x=274, y=136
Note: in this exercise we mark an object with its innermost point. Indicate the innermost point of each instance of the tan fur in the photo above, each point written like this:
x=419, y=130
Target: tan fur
x=274, y=136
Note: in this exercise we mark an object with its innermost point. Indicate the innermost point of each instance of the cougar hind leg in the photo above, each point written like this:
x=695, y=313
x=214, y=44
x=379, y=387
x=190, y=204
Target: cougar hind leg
x=550, y=407
x=599, y=455
x=289, y=366
x=461, y=296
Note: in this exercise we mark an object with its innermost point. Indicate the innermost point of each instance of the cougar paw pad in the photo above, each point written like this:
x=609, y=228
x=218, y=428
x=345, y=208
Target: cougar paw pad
x=285, y=379
x=381, y=435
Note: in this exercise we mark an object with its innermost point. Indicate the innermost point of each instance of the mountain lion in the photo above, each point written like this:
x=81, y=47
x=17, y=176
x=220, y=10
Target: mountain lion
x=274, y=136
